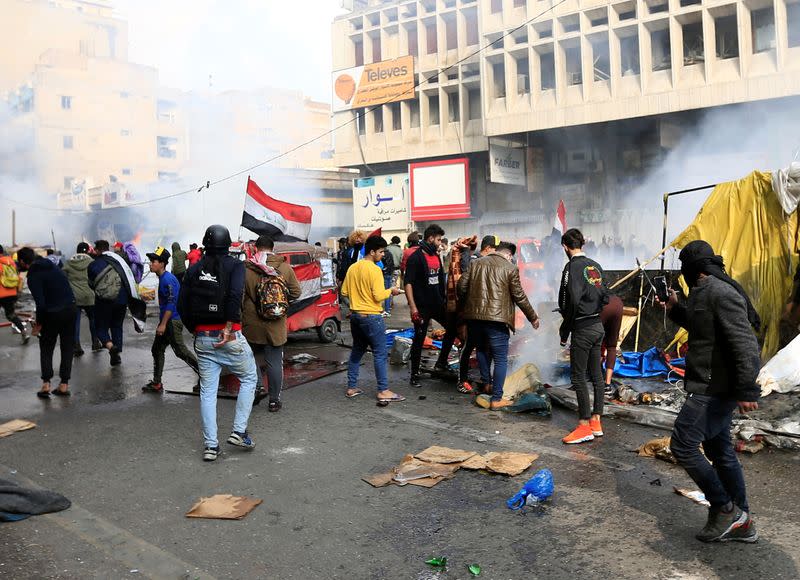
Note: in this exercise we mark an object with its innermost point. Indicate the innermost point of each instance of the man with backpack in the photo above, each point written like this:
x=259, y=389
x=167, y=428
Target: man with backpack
x=10, y=287
x=170, y=329
x=210, y=305
x=77, y=271
x=388, y=265
x=270, y=285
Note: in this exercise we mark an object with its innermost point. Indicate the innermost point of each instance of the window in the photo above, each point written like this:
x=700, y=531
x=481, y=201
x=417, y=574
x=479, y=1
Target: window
x=166, y=110
x=413, y=113
x=126, y=171
x=361, y=121
x=572, y=56
x=167, y=176
x=67, y=142
x=726, y=37
x=377, y=118
x=547, y=66
x=601, y=59
x=413, y=44
x=453, y=112
x=693, y=51
x=433, y=109
x=763, y=22
x=124, y=95
x=376, y=47
x=430, y=36
x=523, y=76
x=471, y=21
x=474, y=102
x=661, y=51
x=793, y=23
x=167, y=147
x=519, y=3
x=499, y=79
x=396, y=119
x=125, y=132
x=68, y=183
x=451, y=31
x=629, y=55
x=66, y=103
x=497, y=6
x=358, y=52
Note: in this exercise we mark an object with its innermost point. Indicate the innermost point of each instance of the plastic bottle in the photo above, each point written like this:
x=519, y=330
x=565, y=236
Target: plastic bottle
x=537, y=488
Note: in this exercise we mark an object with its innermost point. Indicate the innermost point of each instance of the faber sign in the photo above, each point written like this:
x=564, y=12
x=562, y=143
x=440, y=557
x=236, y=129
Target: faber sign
x=507, y=165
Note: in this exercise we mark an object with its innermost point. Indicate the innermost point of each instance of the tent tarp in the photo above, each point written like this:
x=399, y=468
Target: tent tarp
x=745, y=223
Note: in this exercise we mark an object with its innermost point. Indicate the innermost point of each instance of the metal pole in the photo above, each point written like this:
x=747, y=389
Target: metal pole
x=664, y=231
x=639, y=312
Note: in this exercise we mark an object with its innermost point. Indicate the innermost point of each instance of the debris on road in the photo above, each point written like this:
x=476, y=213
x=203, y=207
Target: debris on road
x=436, y=454
x=474, y=569
x=537, y=488
x=437, y=562
x=695, y=495
x=15, y=426
x=658, y=448
x=303, y=357
x=223, y=507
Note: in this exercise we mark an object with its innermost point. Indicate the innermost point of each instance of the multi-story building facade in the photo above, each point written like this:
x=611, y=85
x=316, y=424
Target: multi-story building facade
x=593, y=93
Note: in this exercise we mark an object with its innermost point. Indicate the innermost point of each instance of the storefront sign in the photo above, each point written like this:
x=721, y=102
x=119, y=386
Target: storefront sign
x=374, y=84
x=507, y=165
x=440, y=190
x=381, y=201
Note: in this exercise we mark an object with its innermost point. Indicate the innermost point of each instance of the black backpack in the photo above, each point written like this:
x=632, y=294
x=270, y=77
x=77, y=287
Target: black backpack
x=206, y=293
x=388, y=264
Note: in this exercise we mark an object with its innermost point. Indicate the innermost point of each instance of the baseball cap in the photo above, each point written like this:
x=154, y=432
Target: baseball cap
x=161, y=254
x=489, y=242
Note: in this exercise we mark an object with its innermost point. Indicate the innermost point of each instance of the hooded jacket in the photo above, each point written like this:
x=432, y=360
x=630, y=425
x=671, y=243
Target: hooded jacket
x=178, y=259
x=77, y=271
x=255, y=329
x=50, y=288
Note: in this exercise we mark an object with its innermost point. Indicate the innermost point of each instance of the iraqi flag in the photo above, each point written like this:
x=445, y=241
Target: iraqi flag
x=560, y=221
x=265, y=215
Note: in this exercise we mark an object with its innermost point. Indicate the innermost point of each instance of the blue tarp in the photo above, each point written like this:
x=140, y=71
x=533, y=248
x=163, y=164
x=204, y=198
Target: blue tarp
x=644, y=364
x=407, y=333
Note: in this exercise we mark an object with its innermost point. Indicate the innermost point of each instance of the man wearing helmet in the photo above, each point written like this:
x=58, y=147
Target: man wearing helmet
x=210, y=305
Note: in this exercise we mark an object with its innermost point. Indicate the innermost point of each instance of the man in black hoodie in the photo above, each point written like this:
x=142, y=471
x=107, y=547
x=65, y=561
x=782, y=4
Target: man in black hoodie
x=580, y=299
x=425, y=291
x=55, y=315
x=721, y=368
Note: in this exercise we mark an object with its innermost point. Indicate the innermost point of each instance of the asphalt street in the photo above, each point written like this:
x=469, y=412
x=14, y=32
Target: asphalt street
x=131, y=464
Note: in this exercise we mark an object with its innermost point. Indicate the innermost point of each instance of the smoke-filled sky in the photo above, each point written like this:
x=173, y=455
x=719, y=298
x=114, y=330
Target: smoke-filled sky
x=242, y=44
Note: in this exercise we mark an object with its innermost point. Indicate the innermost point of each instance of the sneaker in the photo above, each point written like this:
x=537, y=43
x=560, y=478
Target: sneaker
x=115, y=357
x=465, y=387
x=721, y=526
x=241, y=440
x=610, y=392
x=415, y=381
x=211, y=453
x=97, y=346
x=581, y=434
x=274, y=406
x=745, y=533
x=152, y=387
x=597, y=429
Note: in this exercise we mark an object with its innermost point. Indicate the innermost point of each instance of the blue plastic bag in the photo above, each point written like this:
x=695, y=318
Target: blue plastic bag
x=538, y=488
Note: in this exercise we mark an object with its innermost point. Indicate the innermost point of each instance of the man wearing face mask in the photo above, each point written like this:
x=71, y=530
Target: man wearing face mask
x=267, y=276
x=721, y=368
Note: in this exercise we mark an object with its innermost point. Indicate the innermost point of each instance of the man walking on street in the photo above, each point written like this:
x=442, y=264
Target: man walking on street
x=397, y=255
x=426, y=294
x=10, y=287
x=721, y=368
x=77, y=271
x=580, y=299
x=55, y=317
x=111, y=299
x=178, y=261
x=364, y=286
x=490, y=289
x=210, y=304
x=270, y=285
x=170, y=328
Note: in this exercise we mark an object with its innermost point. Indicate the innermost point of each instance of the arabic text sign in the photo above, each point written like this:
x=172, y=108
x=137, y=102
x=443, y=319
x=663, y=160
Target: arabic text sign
x=373, y=84
x=381, y=202
x=507, y=165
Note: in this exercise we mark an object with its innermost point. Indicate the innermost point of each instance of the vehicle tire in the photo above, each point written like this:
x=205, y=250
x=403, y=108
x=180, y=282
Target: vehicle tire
x=328, y=331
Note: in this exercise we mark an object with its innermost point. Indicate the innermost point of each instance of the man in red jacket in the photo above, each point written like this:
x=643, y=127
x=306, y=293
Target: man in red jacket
x=194, y=254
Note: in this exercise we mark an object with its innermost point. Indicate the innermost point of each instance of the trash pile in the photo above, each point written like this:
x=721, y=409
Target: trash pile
x=436, y=464
x=525, y=388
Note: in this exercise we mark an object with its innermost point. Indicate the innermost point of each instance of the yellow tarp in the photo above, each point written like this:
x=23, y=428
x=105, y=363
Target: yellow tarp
x=745, y=224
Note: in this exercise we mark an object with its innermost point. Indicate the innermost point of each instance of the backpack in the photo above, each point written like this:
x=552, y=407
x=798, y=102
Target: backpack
x=388, y=264
x=272, y=297
x=206, y=292
x=9, y=277
x=108, y=284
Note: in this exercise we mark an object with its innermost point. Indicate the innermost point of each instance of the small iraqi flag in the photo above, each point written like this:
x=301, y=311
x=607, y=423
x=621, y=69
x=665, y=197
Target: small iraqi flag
x=265, y=215
x=560, y=221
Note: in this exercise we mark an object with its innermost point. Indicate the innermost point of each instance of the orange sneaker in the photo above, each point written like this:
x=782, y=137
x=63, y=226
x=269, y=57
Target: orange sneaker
x=597, y=429
x=581, y=434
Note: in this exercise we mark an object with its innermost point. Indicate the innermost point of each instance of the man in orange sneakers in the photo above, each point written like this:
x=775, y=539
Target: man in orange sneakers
x=580, y=299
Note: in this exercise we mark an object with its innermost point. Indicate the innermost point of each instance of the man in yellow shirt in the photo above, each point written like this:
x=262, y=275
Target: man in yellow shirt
x=363, y=286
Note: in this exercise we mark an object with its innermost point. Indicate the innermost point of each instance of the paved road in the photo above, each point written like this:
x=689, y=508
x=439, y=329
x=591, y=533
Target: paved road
x=131, y=464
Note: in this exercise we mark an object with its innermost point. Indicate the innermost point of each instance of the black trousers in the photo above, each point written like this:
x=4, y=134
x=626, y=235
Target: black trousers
x=57, y=326
x=8, y=304
x=448, y=321
x=585, y=355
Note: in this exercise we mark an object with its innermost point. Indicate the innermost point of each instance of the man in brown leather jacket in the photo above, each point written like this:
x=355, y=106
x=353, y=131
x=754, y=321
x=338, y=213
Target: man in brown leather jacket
x=490, y=289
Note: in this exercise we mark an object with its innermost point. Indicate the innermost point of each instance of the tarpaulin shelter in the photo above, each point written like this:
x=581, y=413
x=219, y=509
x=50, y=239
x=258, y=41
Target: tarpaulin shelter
x=746, y=224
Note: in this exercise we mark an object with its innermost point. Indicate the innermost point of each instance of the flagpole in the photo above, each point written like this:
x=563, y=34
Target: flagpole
x=244, y=203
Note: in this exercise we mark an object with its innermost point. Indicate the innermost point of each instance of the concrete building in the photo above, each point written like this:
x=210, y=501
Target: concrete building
x=591, y=95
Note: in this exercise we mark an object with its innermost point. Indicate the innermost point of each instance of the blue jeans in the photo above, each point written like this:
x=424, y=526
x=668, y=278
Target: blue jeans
x=491, y=341
x=387, y=283
x=237, y=358
x=108, y=319
x=368, y=331
x=89, y=310
x=706, y=420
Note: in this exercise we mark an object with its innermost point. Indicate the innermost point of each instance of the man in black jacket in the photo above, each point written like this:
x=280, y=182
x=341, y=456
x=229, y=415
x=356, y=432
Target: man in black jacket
x=721, y=368
x=210, y=306
x=580, y=299
x=55, y=315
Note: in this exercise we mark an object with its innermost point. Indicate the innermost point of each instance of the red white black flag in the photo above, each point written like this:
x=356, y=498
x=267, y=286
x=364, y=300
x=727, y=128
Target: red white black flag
x=560, y=221
x=266, y=215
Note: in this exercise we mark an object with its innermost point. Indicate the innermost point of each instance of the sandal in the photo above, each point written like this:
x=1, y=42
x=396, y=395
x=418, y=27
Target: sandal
x=355, y=393
x=43, y=394
x=60, y=393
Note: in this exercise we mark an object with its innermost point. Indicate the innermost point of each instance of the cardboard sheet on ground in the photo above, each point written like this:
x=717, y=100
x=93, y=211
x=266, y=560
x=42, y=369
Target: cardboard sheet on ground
x=15, y=426
x=223, y=507
x=436, y=454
